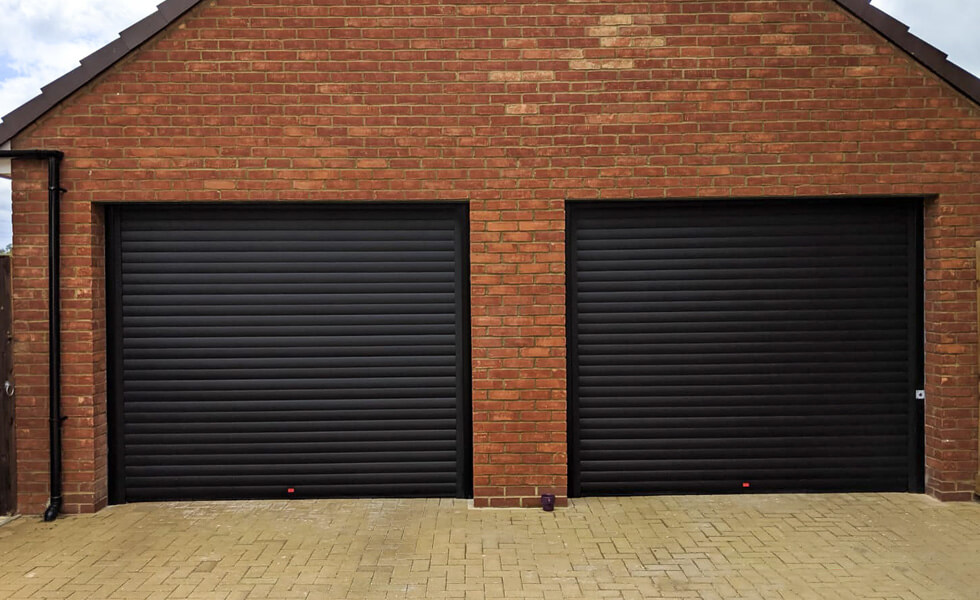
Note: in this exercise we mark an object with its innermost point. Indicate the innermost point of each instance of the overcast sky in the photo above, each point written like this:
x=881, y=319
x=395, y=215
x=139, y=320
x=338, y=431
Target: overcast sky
x=40, y=40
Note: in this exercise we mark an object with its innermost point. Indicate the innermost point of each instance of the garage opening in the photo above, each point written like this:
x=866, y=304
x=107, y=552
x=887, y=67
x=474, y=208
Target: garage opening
x=745, y=346
x=288, y=351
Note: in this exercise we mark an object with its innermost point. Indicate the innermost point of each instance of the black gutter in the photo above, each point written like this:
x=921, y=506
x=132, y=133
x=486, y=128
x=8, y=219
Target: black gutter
x=54, y=158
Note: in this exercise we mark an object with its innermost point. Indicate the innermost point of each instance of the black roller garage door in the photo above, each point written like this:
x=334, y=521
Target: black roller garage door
x=744, y=346
x=288, y=351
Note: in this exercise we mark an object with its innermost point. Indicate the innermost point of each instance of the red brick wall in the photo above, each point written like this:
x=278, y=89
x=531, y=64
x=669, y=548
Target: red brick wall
x=516, y=107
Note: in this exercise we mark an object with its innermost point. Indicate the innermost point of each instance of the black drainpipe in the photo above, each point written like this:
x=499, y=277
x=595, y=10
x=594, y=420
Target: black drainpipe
x=54, y=158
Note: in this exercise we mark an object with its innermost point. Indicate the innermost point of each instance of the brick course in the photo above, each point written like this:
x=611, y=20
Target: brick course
x=515, y=107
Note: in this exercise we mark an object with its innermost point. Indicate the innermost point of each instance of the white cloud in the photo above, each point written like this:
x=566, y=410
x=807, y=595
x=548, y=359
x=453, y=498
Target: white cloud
x=41, y=41
x=950, y=25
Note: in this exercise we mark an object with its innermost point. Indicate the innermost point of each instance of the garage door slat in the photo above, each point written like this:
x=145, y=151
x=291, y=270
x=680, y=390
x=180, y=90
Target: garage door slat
x=823, y=440
x=801, y=408
x=244, y=418
x=722, y=358
x=293, y=421
x=206, y=451
x=268, y=266
x=297, y=278
x=419, y=478
x=287, y=406
x=137, y=245
x=874, y=472
x=287, y=222
x=337, y=312
x=293, y=393
x=740, y=450
x=707, y=332
x=344, y=465
x=274, y=299
x=153, y=490
x=335, y=341
x=369, y=452
x=288, y=435
x=314, y=330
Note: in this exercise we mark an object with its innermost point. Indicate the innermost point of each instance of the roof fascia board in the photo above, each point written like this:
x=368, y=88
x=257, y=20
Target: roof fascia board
x=5, y=166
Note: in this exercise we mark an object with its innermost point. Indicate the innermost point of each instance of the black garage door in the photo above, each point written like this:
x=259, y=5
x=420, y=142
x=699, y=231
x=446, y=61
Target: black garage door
x=744, y=346
x=288, y=352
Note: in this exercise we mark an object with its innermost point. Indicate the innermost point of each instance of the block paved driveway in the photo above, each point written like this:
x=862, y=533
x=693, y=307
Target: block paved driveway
x=786, y=546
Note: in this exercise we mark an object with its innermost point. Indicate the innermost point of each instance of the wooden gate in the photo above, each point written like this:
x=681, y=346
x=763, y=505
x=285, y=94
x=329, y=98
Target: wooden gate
x=6, y=393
